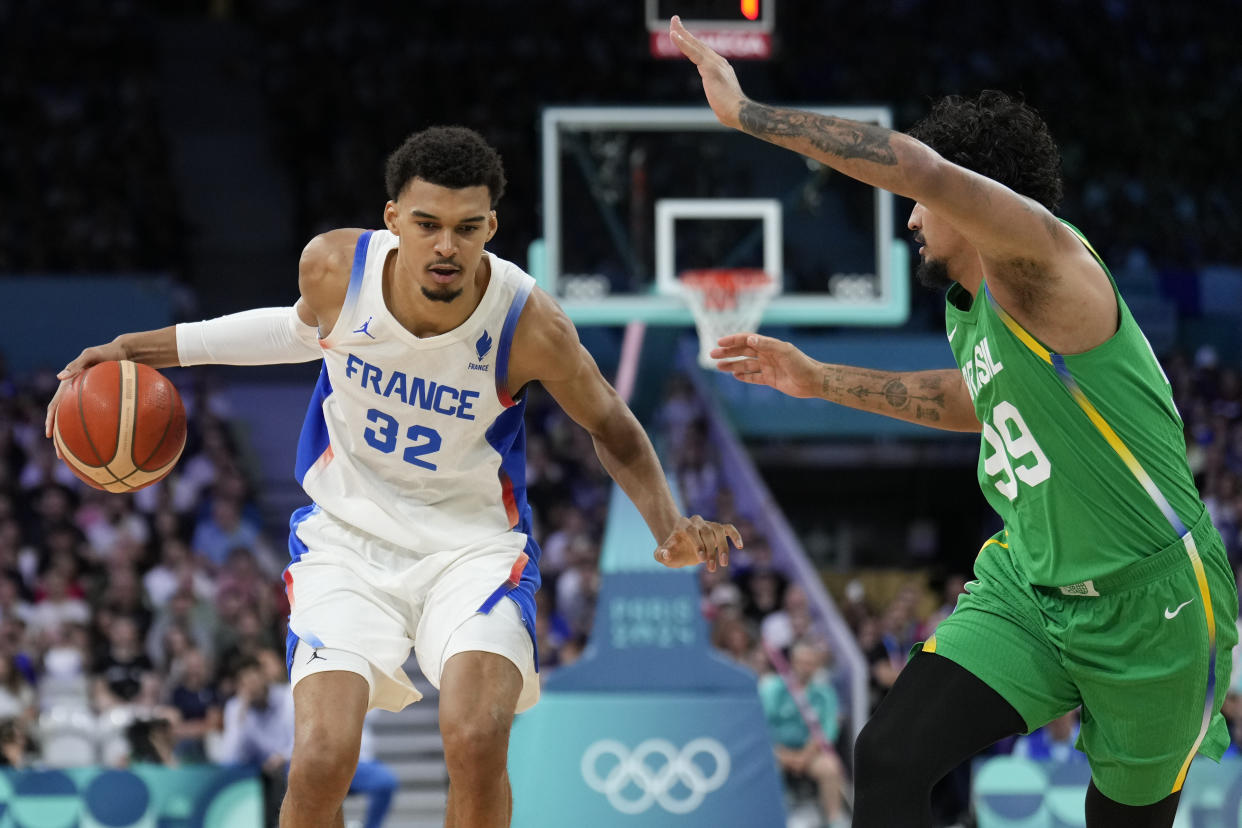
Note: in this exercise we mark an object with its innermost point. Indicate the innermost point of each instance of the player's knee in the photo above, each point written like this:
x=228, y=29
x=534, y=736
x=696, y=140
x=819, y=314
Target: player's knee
x=324, y=761
x=476, y=739
x=881, y=754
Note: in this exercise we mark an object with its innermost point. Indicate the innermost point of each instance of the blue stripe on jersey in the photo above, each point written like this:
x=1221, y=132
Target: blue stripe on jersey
x=355, y=275
x=296, y=550
x=506, y=339
x=507, y=436
x=314, y=440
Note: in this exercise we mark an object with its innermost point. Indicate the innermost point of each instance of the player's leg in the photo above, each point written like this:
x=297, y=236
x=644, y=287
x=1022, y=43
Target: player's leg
x=328, y=711
x=936, y=716
x=990, y=670
x=1103, y=812
x=478, y=697
x=348, y=642
x=473, y=644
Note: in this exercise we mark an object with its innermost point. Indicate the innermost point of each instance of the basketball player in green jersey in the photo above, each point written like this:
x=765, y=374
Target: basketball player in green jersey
x=1109, y=587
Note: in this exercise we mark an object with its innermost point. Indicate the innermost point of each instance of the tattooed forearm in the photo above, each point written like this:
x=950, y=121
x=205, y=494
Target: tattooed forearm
x=935, y=398
x=895, y=394
x=835, y=136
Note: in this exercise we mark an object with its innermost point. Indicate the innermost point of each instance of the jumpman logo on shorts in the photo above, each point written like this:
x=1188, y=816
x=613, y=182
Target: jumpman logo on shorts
x=315, y=655
x=364, y=330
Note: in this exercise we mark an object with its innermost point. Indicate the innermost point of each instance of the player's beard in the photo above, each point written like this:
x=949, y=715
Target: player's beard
x=444, y=294
x=933, y=274
x=440, y=292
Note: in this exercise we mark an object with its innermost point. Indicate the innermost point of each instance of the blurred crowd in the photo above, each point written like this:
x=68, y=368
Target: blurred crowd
x=146, y=627
x=85, y=177
x=1208, y=393
x=345, y=87
x=85, y=167
x=125, y=620
x=1078, y=64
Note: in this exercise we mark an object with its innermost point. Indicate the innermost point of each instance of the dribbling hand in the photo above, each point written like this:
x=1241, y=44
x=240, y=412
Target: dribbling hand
x=91, y=356
x=762, y=360
x=694, y=541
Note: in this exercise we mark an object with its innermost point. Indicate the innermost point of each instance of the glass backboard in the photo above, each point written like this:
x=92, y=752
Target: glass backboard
x=633, y=196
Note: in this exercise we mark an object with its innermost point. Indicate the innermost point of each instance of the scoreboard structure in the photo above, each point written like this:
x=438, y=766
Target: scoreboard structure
x=737, y=29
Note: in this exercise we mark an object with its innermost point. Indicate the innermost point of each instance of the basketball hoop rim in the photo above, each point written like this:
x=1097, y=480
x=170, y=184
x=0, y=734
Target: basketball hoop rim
x=730, y=279
x=713, y=290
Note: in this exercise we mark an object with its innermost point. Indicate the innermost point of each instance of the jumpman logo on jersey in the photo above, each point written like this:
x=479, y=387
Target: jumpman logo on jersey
x=364, y=330
x=315, y=655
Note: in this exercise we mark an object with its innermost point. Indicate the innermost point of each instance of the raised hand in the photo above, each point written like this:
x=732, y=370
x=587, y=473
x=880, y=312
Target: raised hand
x=724, y=93
x=762, y=360
x=694, y=540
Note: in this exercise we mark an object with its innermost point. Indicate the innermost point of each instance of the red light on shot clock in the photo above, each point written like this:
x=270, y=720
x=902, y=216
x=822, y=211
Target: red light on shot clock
x=750, y=9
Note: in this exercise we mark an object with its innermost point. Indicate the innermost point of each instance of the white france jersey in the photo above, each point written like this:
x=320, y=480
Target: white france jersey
x=416, y=440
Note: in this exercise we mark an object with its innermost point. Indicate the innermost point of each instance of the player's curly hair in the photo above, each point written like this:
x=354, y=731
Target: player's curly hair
x=997, y=136
x=449, y=156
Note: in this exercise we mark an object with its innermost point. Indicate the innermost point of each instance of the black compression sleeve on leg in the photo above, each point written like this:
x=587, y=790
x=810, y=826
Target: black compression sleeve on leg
x=1103, y=812
x=937, y=715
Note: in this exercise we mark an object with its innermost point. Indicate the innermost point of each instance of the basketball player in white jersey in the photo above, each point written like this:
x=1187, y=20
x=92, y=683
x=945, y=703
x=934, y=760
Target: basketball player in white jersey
x=413, y=453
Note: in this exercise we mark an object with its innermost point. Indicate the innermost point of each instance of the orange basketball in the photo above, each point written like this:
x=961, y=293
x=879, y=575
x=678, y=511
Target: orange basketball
x=120, y=426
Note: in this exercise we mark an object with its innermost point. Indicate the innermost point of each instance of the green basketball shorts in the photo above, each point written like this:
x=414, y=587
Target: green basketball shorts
x=1146, y=651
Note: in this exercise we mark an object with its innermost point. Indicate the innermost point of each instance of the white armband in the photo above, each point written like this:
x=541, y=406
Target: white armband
x=264, y=336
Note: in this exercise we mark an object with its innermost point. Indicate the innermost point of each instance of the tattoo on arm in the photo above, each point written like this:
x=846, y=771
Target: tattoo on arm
x=835, y=136
x=889, y=395
x=895, y=395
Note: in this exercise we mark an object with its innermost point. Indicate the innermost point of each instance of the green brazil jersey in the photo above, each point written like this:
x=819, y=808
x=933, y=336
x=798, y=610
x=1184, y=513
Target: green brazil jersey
x=1082, y=455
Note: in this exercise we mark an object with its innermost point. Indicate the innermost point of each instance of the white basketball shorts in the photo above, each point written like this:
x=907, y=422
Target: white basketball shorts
x=354, y=593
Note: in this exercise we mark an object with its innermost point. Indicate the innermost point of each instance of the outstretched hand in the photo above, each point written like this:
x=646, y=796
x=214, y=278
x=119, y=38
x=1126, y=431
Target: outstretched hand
x=694, y=540
x=724, y=93
x=762, y=360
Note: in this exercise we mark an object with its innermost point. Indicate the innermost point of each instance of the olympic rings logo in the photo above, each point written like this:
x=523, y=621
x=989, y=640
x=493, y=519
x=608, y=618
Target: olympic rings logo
x=661, y=781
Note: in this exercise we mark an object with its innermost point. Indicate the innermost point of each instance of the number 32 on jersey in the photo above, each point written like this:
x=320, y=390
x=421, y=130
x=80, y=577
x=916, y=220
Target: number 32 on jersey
x=383, y=437
x=1013, y=453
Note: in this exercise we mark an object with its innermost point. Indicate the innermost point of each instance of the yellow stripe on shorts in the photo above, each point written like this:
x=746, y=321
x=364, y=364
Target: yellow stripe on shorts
x=1206, y=595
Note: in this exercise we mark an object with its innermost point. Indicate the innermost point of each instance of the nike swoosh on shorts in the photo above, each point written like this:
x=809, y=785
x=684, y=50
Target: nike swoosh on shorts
x=1171, y=614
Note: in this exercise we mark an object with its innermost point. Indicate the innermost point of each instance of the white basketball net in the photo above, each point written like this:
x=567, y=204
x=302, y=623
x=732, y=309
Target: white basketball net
x=725, y=301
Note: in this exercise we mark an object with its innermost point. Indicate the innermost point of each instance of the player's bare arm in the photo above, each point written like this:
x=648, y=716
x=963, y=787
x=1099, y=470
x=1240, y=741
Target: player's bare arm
x=937, y=398
x=546, y=348
x=323, y=277
x=1035, y=266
